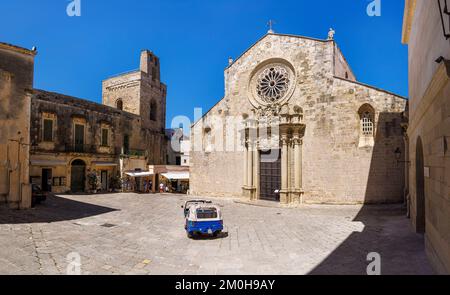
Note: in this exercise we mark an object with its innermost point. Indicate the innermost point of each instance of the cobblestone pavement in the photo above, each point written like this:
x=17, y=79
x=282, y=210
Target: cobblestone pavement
x=144, y=234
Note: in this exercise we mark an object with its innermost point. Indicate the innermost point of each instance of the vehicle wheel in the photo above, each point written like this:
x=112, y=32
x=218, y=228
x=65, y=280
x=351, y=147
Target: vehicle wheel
x=190, y=235
x=216, y=234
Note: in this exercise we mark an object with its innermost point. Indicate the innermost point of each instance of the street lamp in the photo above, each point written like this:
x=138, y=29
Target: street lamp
x=444, y=12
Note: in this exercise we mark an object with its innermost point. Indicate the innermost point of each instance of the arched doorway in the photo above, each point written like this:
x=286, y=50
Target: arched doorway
x=119, y=104
x=78, y=176
x=420, y=188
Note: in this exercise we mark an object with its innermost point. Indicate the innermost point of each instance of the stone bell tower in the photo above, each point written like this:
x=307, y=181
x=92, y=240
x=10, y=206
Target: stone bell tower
x=139, y=92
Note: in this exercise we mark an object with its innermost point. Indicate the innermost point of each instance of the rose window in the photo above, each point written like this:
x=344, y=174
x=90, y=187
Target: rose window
x=273, y=84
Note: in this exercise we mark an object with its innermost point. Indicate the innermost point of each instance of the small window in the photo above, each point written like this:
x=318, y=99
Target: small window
x=119, y=104
x=346, y=75
x=105, y=137
x=126, y=144
x=207, y=140
x=48, y=130
x=207, y=213
x=79, y=138
x=153, y=74
x=367, y=124
x=153, y=111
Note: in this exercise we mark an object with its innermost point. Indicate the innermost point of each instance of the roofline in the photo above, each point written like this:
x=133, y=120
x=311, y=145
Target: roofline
x=345, y=59
x=275, y=34
x=122, y=74
x=408, y=16
x=372, y=87
x=18, y=49
x=45, y=92
x=343, y=79
x=204, y=115
x=308, y=38
x=130, y=73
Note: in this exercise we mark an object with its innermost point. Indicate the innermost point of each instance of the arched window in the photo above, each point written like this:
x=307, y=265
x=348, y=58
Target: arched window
x=153, y=111
x=119, y=104
x=367, y=125
x=207, y=140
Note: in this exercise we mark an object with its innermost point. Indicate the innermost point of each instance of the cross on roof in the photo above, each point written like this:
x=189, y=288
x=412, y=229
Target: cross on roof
x=270, y=24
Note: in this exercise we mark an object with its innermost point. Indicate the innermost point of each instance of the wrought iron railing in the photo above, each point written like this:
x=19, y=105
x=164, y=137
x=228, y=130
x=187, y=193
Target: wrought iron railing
x=133, y=153
x=91, y=149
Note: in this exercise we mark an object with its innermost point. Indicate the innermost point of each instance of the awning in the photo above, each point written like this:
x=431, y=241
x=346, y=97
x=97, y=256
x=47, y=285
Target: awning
x=139, y=174
x=105, y=164
x=48, y=163
x=176, y=175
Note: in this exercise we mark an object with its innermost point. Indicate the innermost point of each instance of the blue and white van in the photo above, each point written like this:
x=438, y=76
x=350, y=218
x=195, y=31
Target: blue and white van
x=202, y=217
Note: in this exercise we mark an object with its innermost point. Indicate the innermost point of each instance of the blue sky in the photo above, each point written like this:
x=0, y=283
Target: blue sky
x=194, y=40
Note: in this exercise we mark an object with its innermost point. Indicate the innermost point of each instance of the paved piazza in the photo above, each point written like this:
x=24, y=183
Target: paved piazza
x=144, y=234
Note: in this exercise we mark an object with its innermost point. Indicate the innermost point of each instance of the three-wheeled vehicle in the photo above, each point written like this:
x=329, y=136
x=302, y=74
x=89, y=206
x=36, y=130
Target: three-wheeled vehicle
x=202, y=217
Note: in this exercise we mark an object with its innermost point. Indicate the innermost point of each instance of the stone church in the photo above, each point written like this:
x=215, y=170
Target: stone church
x=295, y=126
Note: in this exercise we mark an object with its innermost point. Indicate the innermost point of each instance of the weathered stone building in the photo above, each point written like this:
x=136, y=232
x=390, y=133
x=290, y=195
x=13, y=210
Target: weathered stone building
x=429, y=125
x=16, y=83
x=72, y=138
x=296, y=126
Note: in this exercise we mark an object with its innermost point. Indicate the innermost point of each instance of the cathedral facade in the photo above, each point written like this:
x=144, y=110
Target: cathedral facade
x=295, y=126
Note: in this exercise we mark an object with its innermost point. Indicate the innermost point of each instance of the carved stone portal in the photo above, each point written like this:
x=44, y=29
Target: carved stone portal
x=275, y=128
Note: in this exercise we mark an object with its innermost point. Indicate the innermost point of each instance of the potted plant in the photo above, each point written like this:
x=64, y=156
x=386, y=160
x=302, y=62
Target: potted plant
x=93, y=181
x=116, y=183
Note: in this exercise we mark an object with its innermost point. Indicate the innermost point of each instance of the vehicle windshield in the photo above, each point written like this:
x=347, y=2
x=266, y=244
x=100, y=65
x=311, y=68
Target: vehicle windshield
x=206, y=213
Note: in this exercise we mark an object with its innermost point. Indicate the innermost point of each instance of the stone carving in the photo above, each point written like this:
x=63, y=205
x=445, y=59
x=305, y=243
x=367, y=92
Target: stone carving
x=268, y=111
x=273, y=83
x=331, y=33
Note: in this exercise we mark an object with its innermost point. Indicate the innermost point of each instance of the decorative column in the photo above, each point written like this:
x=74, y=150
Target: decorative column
x=256, y=163
x=284, y=194
x=297, y=192
x=249, y=182
x=246, y=165
x=250, y=164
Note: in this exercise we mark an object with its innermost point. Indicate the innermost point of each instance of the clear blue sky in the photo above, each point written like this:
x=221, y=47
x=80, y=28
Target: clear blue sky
x=194, y=40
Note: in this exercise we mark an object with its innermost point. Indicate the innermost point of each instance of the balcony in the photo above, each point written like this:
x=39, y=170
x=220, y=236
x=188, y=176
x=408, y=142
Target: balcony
x=133, y=153
x=81, y=148
x=89, y=149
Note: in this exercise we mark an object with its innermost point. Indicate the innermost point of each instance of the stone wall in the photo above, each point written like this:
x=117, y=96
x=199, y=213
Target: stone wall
x=335, y=167
x=429, y=128
x=125, y=87
x=341, y=67
x=16, y=82
x=139, y=91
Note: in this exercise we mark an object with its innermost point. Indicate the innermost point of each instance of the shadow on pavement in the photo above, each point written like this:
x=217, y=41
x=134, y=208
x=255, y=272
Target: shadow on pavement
x=222, y=235
x=53, y=210
x=386, y=231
